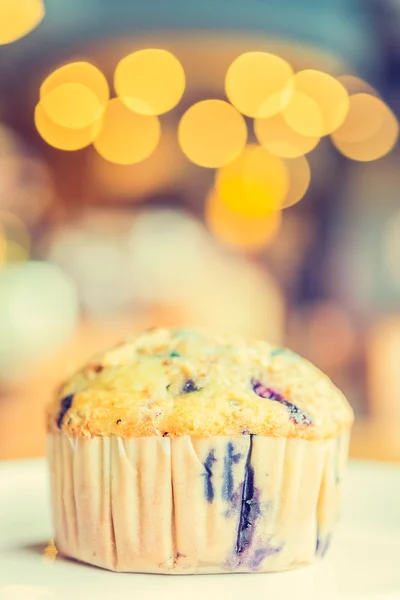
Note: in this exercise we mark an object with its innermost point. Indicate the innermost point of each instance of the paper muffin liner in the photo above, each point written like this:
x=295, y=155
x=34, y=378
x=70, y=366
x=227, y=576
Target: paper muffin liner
x=189, y=505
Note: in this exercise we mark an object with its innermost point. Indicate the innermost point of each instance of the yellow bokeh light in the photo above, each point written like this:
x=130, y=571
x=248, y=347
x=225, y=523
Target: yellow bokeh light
x=355, y=85
x=275, y=135
x=138, y=181
x=247, y=233
x=299, y=180
x=19, y=18
x=83, y=73
x=303, y=115
x=258, y=84
x=328, y=93
x=375, y=146
x=255, y=184
x=212, y=133
x=62, y=137
x=150, y=82
x=72, y=105
x=126, y=137
x=364, y=119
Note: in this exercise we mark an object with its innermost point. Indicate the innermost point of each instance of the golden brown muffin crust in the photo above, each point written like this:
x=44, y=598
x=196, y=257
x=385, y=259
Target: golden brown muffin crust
x=179, y=382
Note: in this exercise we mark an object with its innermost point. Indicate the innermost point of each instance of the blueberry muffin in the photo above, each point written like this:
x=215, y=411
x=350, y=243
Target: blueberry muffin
x=179, y=451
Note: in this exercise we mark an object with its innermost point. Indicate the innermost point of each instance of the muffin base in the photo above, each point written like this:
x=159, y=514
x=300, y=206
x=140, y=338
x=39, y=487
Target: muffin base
x=189, y=505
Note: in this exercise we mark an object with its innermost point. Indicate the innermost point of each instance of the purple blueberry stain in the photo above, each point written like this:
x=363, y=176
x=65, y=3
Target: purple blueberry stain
x=245, y=504
x=230, y=459
x=260, y=554
x=322, y=545
x=65, y=405
x=208, y=484
x=295, y=414
x=189, y=386
x=249, y=509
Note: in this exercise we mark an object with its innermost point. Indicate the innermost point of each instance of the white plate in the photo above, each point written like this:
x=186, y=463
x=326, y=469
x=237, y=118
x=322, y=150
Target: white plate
x=364, y=561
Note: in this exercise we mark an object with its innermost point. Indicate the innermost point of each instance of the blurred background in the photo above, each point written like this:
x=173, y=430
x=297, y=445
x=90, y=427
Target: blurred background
x=223, y=163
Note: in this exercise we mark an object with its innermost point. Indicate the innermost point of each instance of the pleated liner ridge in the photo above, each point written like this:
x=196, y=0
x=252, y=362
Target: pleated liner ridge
x=188, y=505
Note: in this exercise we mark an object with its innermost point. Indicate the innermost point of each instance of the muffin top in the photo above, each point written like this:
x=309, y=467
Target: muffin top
x=175, y=382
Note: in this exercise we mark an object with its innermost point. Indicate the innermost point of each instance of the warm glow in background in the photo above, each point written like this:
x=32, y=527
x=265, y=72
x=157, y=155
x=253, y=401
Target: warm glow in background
x=194, y=178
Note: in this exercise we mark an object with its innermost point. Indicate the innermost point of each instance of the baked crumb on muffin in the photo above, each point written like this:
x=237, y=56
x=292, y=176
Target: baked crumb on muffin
x=177, y=382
